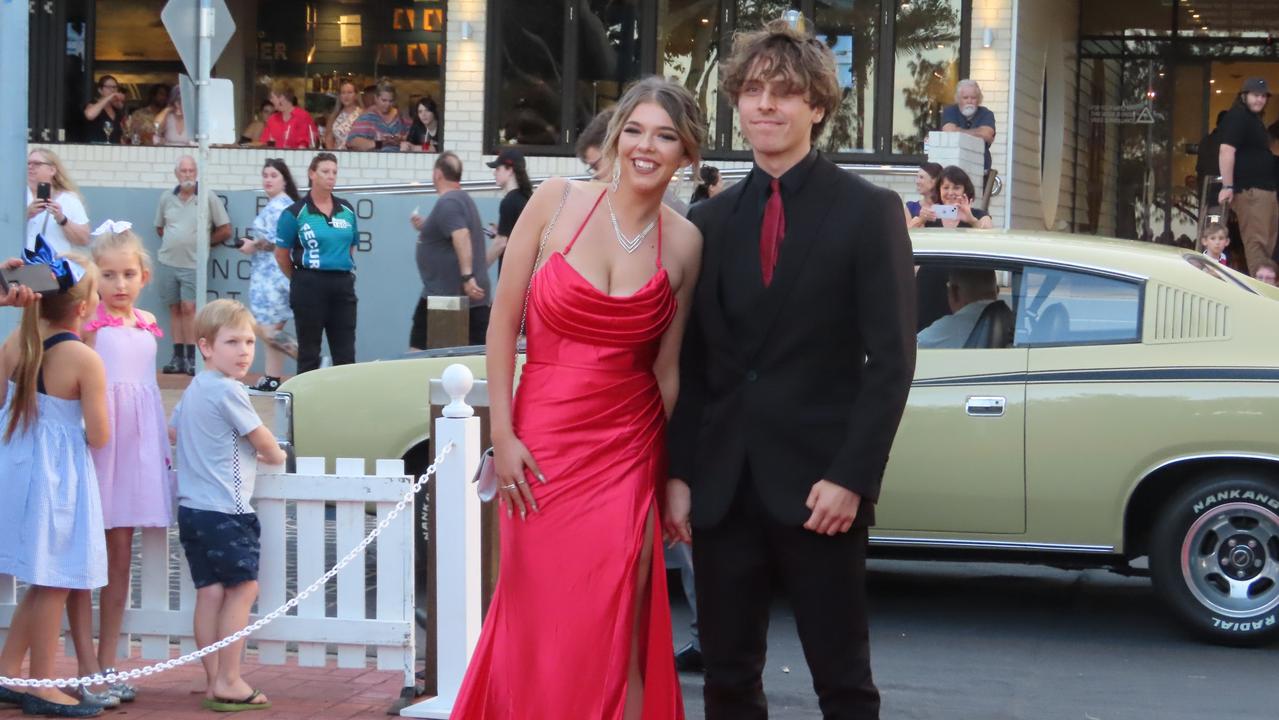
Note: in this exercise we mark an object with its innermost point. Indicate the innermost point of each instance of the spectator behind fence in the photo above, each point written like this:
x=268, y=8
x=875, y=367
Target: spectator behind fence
x=919, y=212
x=173, y=124
x=1248, y=173
x=220, y=440
x=255, y=128
x=511, y=175
x=133, y=467
x=956, y=191
x=969, y=116
x=61, y=219
x=969, y=291
x=451, y=257
x=268, y=287
x=105, y=114
x=381, y=127
x=424, y=135
x=52, y=538
x=289, y=127
x=589, y=144
x=344, y=116
x=315, y=245
x=175, y=223
x=709, y=184
x=142, y=123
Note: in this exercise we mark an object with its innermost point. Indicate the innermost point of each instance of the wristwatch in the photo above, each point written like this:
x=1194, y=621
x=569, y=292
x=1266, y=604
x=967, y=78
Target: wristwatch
x=63, y=221
x=468, y=277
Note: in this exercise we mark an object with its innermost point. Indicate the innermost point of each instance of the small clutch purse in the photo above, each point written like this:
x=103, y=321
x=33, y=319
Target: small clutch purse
x=486, y=477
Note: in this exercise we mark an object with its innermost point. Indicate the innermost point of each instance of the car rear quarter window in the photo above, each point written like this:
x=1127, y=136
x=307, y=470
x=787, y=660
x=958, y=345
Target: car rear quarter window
x=1067, y=307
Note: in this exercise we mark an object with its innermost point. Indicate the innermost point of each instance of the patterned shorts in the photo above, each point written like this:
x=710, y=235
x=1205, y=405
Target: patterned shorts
x=269, y=295
x=221, y=549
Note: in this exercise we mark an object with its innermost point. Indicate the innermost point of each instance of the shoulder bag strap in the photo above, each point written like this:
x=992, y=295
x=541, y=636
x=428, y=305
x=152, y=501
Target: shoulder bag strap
x=546, y=233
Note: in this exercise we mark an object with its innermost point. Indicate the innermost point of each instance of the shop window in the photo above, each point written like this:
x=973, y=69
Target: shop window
x=608, y=51
x=927, y=48
x=529, y=84
x=689, y=50
x=851, y=30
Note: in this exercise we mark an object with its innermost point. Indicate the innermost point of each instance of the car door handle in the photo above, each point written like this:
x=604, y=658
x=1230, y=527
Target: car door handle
x=986, y=406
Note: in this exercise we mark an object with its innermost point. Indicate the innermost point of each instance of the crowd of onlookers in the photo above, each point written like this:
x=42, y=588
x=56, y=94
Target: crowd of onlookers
x=368, y=119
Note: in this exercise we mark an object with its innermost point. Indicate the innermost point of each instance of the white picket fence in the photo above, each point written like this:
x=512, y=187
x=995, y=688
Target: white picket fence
x=390, y=630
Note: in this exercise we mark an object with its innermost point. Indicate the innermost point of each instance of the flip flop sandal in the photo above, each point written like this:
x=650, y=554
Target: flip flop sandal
x=218, y=704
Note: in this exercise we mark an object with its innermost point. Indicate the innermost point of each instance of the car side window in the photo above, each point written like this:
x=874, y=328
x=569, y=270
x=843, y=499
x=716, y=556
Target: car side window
x=964, y=306
x=1065, y=307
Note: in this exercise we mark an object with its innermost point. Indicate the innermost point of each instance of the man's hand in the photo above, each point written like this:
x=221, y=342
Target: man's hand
x=417, y=221
x=679, y=502
x=473, y=290
x=834, y=508
x=1225, y=196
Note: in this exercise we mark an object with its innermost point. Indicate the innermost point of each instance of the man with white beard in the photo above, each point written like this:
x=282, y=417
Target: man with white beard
x=174, y=278
x=969, y=116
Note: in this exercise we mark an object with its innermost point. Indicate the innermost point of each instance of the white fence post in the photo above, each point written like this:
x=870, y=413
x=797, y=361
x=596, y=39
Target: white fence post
x=456, y=545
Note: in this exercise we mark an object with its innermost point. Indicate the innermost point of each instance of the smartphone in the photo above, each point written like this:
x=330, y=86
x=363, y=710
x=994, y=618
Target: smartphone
x=946, y=212
x=44, y=191
x=37, y=277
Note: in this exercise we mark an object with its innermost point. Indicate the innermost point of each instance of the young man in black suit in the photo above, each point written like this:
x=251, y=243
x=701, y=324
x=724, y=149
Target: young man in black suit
x=794, y=375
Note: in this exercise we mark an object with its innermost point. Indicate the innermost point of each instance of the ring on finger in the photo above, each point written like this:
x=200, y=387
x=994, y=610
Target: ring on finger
x=509, y=487
x=521, y=481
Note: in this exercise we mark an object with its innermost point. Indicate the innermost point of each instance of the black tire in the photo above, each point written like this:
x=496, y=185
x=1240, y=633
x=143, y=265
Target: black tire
x=1214, y=558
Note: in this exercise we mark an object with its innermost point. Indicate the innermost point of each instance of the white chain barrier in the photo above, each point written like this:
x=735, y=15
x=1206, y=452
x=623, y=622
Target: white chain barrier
x=121, y=676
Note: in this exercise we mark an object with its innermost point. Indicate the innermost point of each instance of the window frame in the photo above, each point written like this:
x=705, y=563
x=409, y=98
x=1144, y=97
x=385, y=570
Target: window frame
x=1139, y=284
x=720, y=136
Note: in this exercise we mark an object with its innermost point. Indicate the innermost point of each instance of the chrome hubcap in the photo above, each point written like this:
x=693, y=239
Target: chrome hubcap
x=1230, y=560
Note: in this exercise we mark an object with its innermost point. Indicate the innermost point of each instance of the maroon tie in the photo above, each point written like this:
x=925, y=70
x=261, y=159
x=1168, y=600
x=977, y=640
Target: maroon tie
x=772, y=231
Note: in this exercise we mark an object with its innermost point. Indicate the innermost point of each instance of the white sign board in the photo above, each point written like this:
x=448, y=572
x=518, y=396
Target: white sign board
x=220, y=95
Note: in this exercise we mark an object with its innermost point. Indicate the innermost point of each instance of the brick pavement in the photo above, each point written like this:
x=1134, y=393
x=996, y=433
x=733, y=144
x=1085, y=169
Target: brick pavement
x=296, y=693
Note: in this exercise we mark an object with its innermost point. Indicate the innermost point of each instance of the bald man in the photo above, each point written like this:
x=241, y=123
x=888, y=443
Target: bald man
x=968, y=292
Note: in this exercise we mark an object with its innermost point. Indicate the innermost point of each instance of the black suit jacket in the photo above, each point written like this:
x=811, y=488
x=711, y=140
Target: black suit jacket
x=815, y=386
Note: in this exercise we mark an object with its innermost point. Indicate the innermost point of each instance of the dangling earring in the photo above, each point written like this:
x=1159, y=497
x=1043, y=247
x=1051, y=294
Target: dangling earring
x=617, y=174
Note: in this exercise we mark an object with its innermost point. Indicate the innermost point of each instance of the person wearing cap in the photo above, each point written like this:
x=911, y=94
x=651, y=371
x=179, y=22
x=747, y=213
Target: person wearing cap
x=1247, y=174
x=512, y=176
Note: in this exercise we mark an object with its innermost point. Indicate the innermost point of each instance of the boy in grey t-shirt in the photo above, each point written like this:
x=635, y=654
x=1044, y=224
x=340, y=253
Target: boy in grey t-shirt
x=220, y=440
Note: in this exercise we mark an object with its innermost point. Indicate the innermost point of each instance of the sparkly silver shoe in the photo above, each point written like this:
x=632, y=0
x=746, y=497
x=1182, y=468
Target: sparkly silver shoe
x=102, y=699
x=122, y=690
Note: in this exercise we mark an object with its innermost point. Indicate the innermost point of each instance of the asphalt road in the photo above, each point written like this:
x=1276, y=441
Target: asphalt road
x=1002, y=642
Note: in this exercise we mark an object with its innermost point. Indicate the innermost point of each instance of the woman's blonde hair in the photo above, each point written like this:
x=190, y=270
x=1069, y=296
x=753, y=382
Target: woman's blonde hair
x=127, y=241
x=676, y=100
x=53, y=309
x=62, y=181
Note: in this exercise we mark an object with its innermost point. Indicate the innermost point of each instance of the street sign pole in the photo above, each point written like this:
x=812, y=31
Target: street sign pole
x=14, y=18
x=204, y=70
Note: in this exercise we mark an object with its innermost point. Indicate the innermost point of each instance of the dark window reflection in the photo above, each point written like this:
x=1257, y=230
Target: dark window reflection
x=927, y=69
x=531, y=82
x=688, y=32
x=608, y=55
x=851, y=30
x=753, y=15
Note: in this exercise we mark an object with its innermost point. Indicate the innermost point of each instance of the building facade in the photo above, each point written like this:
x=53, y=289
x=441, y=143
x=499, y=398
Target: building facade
x=1100, y=106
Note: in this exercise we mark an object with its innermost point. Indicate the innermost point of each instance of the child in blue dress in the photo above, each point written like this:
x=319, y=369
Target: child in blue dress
x=53, y=408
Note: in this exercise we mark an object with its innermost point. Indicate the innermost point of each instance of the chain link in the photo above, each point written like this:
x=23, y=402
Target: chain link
x=121, y=676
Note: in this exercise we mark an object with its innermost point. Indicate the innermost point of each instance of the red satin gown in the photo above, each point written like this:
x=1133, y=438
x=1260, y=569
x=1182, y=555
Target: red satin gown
x=556, y=642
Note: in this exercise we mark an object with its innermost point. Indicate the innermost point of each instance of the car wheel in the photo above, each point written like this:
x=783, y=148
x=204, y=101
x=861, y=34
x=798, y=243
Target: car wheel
x=1214, y=558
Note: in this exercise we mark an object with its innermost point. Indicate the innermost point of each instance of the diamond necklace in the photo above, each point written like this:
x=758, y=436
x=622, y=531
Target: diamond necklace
x=630, y=245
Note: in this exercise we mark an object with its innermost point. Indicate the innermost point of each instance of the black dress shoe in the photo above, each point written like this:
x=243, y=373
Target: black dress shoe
x=10, y=697
x=177, y=365
x=32, y=705
x=689, y=660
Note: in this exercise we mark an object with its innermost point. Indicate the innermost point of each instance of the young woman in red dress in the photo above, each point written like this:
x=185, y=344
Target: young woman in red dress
x=580, y=626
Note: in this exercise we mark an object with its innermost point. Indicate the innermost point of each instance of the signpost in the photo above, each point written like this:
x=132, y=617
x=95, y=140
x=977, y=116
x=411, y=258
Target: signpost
x=14, y=19
x=200, y=30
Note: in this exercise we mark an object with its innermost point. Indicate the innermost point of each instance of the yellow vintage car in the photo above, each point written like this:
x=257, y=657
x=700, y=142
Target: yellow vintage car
x=1112, y=401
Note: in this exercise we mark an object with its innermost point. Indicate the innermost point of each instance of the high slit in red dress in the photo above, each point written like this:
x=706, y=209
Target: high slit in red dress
x=556, y=642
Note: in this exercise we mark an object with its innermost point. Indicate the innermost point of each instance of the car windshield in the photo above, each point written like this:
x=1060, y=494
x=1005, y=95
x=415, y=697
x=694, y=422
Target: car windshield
x=1217, y=270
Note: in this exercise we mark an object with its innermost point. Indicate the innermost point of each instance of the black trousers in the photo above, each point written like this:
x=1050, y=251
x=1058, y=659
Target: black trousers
x=323, y=304
x=738, y=564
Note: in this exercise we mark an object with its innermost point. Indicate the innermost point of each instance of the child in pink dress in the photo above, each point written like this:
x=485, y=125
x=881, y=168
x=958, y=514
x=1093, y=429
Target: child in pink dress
x=133, y=468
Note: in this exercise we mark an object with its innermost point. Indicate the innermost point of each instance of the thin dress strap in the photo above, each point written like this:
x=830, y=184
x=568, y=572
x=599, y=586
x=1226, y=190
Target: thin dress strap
x=49, y=342
x=582, y=227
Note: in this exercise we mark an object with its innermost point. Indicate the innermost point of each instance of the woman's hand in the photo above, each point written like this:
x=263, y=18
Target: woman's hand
x=15, y=295
x=511, y=460
x=926, y=213
x=36, y=207
x=55, y=209
x=966, y=210
x=249, y=246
